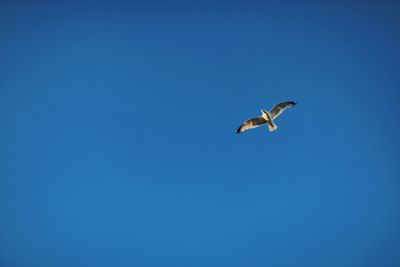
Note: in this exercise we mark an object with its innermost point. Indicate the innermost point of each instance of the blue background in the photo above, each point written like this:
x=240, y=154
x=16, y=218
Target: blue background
x=117, y=144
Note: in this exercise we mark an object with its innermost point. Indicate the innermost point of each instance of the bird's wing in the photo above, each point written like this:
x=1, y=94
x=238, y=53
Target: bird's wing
x=279, y=108
x=250, y=124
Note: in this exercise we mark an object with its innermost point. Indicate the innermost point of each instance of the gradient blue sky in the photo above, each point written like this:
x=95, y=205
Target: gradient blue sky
x=117, y=144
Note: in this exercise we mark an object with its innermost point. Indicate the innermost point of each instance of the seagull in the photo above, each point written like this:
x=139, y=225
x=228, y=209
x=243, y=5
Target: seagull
x=266, y=117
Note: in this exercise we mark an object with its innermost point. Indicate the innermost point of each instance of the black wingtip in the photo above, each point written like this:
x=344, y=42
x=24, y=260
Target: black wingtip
x=238, y=130
x=294, y=103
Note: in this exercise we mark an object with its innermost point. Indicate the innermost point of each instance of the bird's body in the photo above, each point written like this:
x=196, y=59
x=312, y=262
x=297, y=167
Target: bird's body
x=266, y=118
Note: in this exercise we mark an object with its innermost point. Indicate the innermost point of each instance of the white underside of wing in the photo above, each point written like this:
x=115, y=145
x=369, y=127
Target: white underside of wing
x=252, y=123
x=248, y=127
x=281, y=107
x=279, y=113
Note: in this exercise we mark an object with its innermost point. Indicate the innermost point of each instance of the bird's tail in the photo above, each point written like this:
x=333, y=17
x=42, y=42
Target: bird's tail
x=272, y=126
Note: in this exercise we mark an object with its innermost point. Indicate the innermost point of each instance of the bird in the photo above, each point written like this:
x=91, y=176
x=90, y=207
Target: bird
x=266, y=117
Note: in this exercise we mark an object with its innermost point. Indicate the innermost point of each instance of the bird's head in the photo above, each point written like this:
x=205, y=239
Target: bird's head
x=263, y=111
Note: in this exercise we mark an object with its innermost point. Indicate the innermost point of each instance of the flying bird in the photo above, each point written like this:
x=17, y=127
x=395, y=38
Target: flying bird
x=266, y=117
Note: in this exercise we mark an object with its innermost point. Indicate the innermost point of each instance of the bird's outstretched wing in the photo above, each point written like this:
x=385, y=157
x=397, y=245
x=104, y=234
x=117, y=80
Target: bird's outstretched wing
x=250, y=124
x=279, y=108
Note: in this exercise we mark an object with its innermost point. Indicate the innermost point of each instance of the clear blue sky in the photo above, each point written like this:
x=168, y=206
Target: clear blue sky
x=117, y=143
